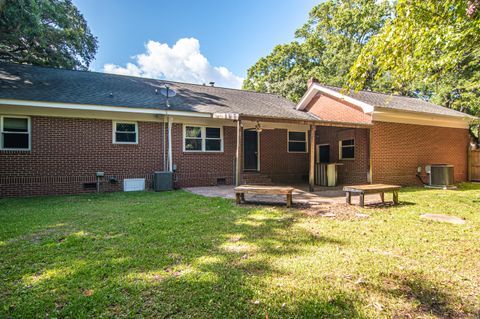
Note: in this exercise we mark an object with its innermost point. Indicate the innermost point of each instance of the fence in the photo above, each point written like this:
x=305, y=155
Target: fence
x=474, y=165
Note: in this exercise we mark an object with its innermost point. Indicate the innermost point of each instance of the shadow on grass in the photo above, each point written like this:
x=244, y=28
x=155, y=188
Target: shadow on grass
x=425, y=296
x=388, y=204
x=146, y=254
x=460, y=188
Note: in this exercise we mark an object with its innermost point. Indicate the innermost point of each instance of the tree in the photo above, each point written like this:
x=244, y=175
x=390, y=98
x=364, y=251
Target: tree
x=429, y=49
x=328, y=45
x=45, y=32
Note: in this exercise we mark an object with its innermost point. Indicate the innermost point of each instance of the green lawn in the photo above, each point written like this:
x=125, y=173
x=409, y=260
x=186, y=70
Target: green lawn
x=184, y=256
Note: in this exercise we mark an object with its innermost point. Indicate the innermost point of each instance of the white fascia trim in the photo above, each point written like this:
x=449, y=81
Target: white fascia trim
x=418, y=118
x=314, y=88
x=87, y=107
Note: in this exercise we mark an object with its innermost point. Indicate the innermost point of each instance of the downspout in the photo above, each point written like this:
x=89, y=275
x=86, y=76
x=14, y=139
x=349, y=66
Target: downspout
x=170, y=160
x=164, y=143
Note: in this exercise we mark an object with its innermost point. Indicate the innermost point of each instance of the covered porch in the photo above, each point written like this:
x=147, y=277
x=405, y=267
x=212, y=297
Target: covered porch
x=286, y=152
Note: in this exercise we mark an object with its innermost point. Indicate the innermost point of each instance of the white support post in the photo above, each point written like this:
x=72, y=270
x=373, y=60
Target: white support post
x=170, y=160
x=237, y=154
x=311, y=170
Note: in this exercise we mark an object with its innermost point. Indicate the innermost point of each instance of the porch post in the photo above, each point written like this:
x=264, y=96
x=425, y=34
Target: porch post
x=311, y=171
x=237, y=154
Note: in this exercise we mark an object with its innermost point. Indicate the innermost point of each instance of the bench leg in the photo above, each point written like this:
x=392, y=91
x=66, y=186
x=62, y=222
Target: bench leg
x=238, y=198
x=362, y=199
x=395, y=197
x=382, y=196
x=242, y=197
x=348, y=198
x=289, y=200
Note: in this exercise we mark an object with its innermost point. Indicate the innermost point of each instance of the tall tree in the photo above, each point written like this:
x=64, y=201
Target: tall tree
x=45, y=32
x=326, y=47
x=429, y=48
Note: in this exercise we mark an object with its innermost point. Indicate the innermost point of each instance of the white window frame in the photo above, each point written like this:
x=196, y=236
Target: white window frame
x=114, y=130
x=203, y=137
x=340, y=149
x=288, y=141
x=29, y=132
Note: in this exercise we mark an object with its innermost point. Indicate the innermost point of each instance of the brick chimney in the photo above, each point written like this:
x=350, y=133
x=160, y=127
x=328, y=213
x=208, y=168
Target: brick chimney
x=311, y=81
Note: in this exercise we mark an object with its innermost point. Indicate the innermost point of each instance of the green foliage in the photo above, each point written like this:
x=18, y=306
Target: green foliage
x=45, y=32
x=429, y=49
x=178, y=255
x=328, y=45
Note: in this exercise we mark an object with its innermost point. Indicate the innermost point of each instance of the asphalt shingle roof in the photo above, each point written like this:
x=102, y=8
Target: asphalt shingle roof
x=398, y=102
x=25, y=82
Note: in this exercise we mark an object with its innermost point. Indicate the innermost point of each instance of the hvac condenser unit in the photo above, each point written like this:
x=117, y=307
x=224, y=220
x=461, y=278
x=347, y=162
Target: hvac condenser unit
x=163, y=181
x=440, y=176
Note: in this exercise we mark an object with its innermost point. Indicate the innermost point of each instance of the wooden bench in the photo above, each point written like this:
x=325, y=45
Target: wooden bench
x=371, y=189
x=240, y=192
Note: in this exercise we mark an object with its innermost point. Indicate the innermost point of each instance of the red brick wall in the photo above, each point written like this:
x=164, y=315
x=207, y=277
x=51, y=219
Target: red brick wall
x=202, y=168
x=352, y=171
x=332, y=109
x=66, y=153
x=277, y=162
x=398, y=149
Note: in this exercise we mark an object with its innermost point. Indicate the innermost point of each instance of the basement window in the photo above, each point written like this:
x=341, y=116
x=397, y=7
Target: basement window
x=125, y=132
x=15, y=133
x=297, y=142
x=347, y=149
x=202, y=139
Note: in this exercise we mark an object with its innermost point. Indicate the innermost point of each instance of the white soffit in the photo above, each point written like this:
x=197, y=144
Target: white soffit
x=88, y=107
x=314, y=88
x=418, y=118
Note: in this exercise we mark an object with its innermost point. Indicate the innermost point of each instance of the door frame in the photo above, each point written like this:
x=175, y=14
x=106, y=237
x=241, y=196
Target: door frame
x=258, y=152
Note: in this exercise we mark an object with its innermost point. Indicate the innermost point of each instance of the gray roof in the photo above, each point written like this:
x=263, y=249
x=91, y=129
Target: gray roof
x=397, y=102
x=25, y=82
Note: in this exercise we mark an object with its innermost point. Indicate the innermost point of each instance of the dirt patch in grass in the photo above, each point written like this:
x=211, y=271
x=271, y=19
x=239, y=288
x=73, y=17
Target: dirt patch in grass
x=334, y=211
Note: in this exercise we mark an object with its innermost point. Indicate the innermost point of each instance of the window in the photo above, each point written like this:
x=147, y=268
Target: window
x=15, y=132
x=202, y=139
x=213, y=140
x=193, y=138
x=347, y=149
x=297, y=142
x=125, y=132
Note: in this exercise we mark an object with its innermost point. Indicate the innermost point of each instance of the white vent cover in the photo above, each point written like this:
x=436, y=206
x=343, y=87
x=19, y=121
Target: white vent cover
x=133, y=184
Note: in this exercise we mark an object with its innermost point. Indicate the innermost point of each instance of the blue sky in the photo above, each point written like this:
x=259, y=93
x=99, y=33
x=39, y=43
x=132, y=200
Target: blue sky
x=229, y=34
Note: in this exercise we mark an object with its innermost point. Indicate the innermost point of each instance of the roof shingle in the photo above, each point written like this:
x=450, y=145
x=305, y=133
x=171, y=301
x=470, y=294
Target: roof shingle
x=33, y=83
x=397, y=102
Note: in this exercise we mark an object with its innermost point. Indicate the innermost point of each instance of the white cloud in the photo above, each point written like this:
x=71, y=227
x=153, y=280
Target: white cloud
x=182, y=62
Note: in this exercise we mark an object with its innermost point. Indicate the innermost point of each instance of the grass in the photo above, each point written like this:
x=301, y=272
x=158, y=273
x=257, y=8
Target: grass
x=179, y=255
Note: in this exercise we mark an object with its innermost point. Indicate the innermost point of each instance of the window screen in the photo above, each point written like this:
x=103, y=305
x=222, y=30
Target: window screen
x=15, y=133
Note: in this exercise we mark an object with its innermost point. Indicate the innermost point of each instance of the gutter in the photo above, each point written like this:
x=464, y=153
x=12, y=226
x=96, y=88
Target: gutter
x=105, y=108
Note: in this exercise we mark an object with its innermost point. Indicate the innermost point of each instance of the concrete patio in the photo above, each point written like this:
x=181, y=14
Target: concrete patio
x=301, y=196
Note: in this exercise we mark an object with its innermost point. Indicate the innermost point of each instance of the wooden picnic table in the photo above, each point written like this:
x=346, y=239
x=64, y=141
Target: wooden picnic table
x=371, y=189
x=240, y=192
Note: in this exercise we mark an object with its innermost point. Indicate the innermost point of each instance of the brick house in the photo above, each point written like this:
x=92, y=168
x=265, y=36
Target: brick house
x=59, y=127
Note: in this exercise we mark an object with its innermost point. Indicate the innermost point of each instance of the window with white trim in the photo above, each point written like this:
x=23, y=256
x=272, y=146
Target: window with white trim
x=15, y=133
x=125, y=132
x=202, y=139
x=297, y=142
x=347, y=149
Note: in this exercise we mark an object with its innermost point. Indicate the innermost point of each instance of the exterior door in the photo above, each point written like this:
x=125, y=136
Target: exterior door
x=250, y=150
x=323, y=153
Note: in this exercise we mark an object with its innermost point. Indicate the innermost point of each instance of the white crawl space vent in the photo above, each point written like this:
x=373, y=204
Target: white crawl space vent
x=133, y=184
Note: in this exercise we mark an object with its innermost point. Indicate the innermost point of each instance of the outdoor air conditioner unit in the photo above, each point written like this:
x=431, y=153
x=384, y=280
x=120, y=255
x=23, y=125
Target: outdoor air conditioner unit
x=440, y=176
x=163, y=181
